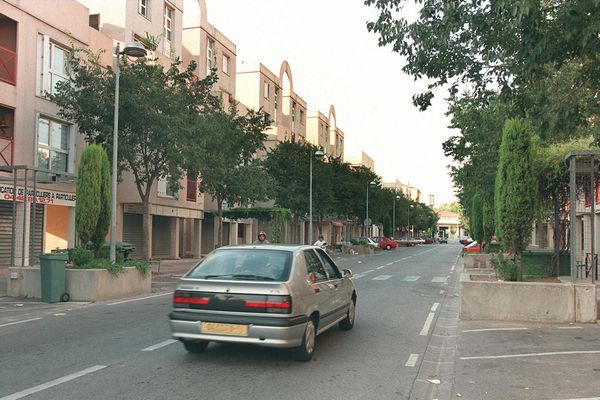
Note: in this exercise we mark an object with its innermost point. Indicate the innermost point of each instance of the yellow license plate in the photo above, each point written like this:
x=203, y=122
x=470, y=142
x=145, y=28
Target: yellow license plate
x=224, y=329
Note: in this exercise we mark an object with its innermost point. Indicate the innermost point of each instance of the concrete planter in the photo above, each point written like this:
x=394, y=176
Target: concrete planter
x=83, y=284
x=527, y=301
x=478, y=260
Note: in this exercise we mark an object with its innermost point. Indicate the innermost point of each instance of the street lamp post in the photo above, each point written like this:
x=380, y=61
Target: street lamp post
x=367, y=222
x=133, y=49
x=318, y=155
x=394, y=216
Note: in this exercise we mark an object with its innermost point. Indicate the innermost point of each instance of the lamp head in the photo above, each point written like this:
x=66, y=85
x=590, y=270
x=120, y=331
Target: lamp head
x=135, y=49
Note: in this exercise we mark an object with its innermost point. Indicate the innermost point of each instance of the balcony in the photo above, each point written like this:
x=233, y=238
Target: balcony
x=6, y=136
x=8, y=50
x=192, y=190
x=8, y=66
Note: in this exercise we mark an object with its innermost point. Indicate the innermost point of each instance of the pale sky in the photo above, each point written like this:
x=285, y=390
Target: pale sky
x=335, y=60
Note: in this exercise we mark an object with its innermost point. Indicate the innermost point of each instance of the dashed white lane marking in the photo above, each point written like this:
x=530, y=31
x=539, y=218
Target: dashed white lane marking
x=452, y=269
x=382, y=277
x=587, y=398
x=389, y=263
x=20, y=322
x=368, y=271
x=442, y=291
x=383, y=266
x=412, y=360
x=160, y=345
x=550, y=353
x=411, y=278
x=428, y=321
x=434, y=307
x=139, y=298
x=356, y=276
x=53, y=383
x=570, y=327
x=439, y=279
x=494, y=329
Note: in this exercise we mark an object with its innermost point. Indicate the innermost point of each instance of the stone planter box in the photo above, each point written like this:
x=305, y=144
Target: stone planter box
x=477, y=260
x=527, y=301
x=83, y=284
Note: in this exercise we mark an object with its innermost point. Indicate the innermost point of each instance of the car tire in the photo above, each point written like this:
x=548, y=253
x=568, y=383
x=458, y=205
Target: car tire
x=305, y=351
x=388, y=247
x=196, y=346
x=348, y=323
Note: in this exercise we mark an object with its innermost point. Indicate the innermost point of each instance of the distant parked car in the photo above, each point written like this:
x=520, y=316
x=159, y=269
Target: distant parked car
x=465, y=242
x=472, y=247
x=443, y=239
x=364, y=241
x=384, y=243
x=419, y=240
x=429, y=240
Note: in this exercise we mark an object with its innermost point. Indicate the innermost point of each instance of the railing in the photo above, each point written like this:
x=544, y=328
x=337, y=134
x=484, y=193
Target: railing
x=6, y=151
x=8, y=66
x=192, y=190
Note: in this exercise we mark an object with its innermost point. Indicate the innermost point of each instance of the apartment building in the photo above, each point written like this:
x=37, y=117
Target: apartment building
x=39, y=150
x=409, y=191
x=323, y=132
x=360, y=160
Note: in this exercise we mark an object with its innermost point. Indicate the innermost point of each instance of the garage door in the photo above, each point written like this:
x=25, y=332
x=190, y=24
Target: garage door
x=133, y=232
x=161, y=236
x=6, y=225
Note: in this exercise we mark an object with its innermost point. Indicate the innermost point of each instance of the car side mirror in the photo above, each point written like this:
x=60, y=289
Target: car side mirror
x=347, y=272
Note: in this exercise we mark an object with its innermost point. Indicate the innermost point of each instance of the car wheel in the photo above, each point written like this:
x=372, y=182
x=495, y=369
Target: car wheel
x=388, y=247
x=348, y=323
x=195, y=347
x=305, y=351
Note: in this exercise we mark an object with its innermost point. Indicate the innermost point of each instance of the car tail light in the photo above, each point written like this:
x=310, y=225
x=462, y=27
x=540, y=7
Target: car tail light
x=272, y=304
x=187, y=300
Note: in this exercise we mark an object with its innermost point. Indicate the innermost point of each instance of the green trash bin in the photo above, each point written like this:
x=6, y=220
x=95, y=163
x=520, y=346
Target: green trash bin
x=52, y=277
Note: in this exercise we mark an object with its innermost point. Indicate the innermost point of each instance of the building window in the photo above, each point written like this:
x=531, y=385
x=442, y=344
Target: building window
x=293, y=117
x=276, y=104
x=168, y=29
x=57, y=66
x=210, y=56
x=53, y=145
x=266, y=89
x=165, y=190
x=143, y=8
x=301, y=117
x=268, y=119
x=226, y=64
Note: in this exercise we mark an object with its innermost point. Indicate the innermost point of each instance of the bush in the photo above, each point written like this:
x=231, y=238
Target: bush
x=506, y=269
x=79, y=256
x=115, y=269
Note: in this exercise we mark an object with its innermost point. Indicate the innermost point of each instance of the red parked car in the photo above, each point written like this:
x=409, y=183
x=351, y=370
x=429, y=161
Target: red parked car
x=385, y=243
x=473, y=247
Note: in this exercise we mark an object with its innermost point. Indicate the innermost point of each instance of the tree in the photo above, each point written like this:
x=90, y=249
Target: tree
x=489, y=221
x=225, y=159
x=89, y=193
x=516, y=189
x=476, y=219
x=503, y=44
x=161, y=107
x=103, y=223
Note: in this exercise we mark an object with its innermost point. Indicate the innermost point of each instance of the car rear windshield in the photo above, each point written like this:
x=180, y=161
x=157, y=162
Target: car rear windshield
x=244, y=264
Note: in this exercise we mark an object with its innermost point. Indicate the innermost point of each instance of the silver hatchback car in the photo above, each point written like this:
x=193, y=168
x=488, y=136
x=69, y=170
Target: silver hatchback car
x=267, y=295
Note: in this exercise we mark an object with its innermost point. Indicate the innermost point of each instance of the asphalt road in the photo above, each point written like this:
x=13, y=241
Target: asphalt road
x=406, y=313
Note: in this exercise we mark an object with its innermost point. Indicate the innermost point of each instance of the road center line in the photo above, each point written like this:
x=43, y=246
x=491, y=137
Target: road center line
x=551, y=353
x=53, y=383
x=382, y=277
x=366, y=272
x=383, y=266
x=434, y=307
x=494, y=329
x=452, y=269
x=138, y=299
x=428, y=321
x=19, y=322
x=570, y=327
x=412, y=360
x=160, y=345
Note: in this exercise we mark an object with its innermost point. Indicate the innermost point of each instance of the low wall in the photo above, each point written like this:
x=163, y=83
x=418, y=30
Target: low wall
x=526, y=301
x=82, y=284
x=478, y=260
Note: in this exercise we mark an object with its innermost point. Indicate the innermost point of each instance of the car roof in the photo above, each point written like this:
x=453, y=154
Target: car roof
x=275, y=246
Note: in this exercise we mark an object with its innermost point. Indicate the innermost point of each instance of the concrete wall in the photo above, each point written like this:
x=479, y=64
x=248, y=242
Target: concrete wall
x=526, y=301
x=477, y=260
x=82, y=284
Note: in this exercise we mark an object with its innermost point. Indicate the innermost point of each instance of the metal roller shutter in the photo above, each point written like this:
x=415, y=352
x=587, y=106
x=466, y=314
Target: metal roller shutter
x=161, y=236
x=6, y=224
x=133, y=232
x=5, y=231
x=37, y=233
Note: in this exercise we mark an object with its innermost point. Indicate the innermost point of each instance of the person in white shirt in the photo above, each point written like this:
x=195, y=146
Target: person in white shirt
x=321, y=242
